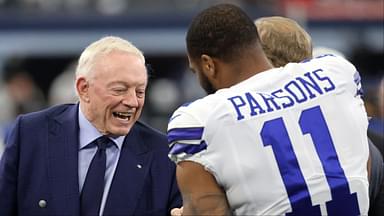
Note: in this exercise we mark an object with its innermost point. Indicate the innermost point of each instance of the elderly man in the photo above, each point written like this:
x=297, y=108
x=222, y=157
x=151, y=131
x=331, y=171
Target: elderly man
x=93, y=157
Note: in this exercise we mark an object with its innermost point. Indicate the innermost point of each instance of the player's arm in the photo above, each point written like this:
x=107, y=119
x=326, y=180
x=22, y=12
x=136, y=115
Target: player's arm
x=201, y=193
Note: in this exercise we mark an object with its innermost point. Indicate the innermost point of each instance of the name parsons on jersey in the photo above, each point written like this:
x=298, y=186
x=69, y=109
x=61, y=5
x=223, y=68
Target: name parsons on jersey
x=299, y=90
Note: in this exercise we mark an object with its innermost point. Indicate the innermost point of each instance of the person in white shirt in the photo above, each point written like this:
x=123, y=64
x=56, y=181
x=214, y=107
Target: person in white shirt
x=267, y=141
x=284, y=41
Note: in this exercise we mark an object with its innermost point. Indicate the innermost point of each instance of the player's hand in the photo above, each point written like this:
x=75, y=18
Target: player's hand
x=177, y=211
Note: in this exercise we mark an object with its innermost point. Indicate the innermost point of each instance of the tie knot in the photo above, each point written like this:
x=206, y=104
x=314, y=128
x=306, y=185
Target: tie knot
x=103, y=142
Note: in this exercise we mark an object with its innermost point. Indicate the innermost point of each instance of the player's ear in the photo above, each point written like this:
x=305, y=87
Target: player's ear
x=208, y=66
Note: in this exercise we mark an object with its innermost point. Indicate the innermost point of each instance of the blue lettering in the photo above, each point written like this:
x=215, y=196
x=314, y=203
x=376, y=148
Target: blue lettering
x=303, y=88
x=237, y=105
x=267, y=99
x=253, y=104
x=285, y=105
x=325, y=78
x=311, y=84
x=294, y=84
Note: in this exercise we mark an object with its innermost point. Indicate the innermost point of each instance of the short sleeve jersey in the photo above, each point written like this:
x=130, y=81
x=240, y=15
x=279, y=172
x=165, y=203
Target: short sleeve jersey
x=290, y=140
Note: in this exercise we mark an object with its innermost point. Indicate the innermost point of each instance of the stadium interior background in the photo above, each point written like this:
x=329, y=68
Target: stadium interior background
x=41, y=39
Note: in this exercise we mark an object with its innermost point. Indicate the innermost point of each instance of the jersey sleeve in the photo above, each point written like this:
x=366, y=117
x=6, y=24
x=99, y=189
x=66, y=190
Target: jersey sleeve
x=185, y=136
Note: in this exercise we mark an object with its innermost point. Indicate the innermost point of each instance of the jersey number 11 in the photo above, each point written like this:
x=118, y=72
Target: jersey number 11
x=311, y=122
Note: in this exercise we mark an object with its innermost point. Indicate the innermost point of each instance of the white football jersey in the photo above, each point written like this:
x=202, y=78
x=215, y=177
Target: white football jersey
x=290, y=140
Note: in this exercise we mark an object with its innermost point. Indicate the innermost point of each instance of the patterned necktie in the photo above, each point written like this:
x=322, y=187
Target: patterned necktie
x=93, y=188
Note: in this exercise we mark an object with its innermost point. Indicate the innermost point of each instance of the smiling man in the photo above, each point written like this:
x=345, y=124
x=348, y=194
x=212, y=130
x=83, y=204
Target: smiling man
x=94, y=157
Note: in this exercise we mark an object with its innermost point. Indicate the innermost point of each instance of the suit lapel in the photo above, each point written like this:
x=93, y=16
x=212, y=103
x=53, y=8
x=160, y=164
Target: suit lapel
x=62, y=148
x=129, y=178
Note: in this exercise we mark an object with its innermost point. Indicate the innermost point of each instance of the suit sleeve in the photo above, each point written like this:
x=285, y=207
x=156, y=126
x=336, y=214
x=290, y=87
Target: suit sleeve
x=9, y=172
x=175, y=200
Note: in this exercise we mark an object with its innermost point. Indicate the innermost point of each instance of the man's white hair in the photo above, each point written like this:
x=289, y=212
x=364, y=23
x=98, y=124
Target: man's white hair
x=104, y=46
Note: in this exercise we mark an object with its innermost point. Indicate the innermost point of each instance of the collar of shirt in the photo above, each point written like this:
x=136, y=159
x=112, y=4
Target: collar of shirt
x=88, y=133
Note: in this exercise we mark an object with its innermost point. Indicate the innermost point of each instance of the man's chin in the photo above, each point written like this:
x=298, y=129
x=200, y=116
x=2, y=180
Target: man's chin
x=119, y=132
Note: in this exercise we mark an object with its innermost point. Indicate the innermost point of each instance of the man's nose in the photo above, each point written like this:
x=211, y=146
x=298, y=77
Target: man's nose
x=130, y=99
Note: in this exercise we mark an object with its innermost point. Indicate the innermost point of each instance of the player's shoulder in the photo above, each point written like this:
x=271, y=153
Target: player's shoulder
x=195, y=113
x=330, y=61
x=200, y=105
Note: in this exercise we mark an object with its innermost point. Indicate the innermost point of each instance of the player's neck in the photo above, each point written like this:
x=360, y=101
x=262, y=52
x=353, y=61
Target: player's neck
x=252, y=66
x=235, y=73
x=259, y=64
x=251, y=62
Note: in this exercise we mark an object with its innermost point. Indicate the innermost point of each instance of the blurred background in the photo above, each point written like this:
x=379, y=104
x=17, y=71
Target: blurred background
x=40, y=41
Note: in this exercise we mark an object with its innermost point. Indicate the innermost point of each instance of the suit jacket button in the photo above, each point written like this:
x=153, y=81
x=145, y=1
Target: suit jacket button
x=42, y=203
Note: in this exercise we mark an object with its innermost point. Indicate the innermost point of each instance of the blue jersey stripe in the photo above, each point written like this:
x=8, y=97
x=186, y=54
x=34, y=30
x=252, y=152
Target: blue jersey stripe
x=186, y=104
x=187, y=148
x=357, y=79
x=185, y=134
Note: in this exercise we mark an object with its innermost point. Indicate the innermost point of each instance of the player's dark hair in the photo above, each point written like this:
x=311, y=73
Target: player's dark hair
x=223, y=31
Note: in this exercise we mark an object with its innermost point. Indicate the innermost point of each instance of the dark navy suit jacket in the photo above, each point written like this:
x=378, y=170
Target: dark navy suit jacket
x=40, y=164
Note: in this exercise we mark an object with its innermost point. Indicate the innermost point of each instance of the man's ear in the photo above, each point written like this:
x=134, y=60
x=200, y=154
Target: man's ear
x=208, y=66
x=82, y=87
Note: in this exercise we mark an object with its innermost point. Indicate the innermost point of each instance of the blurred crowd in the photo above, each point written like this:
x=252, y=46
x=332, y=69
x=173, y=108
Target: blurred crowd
x=115, y=7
